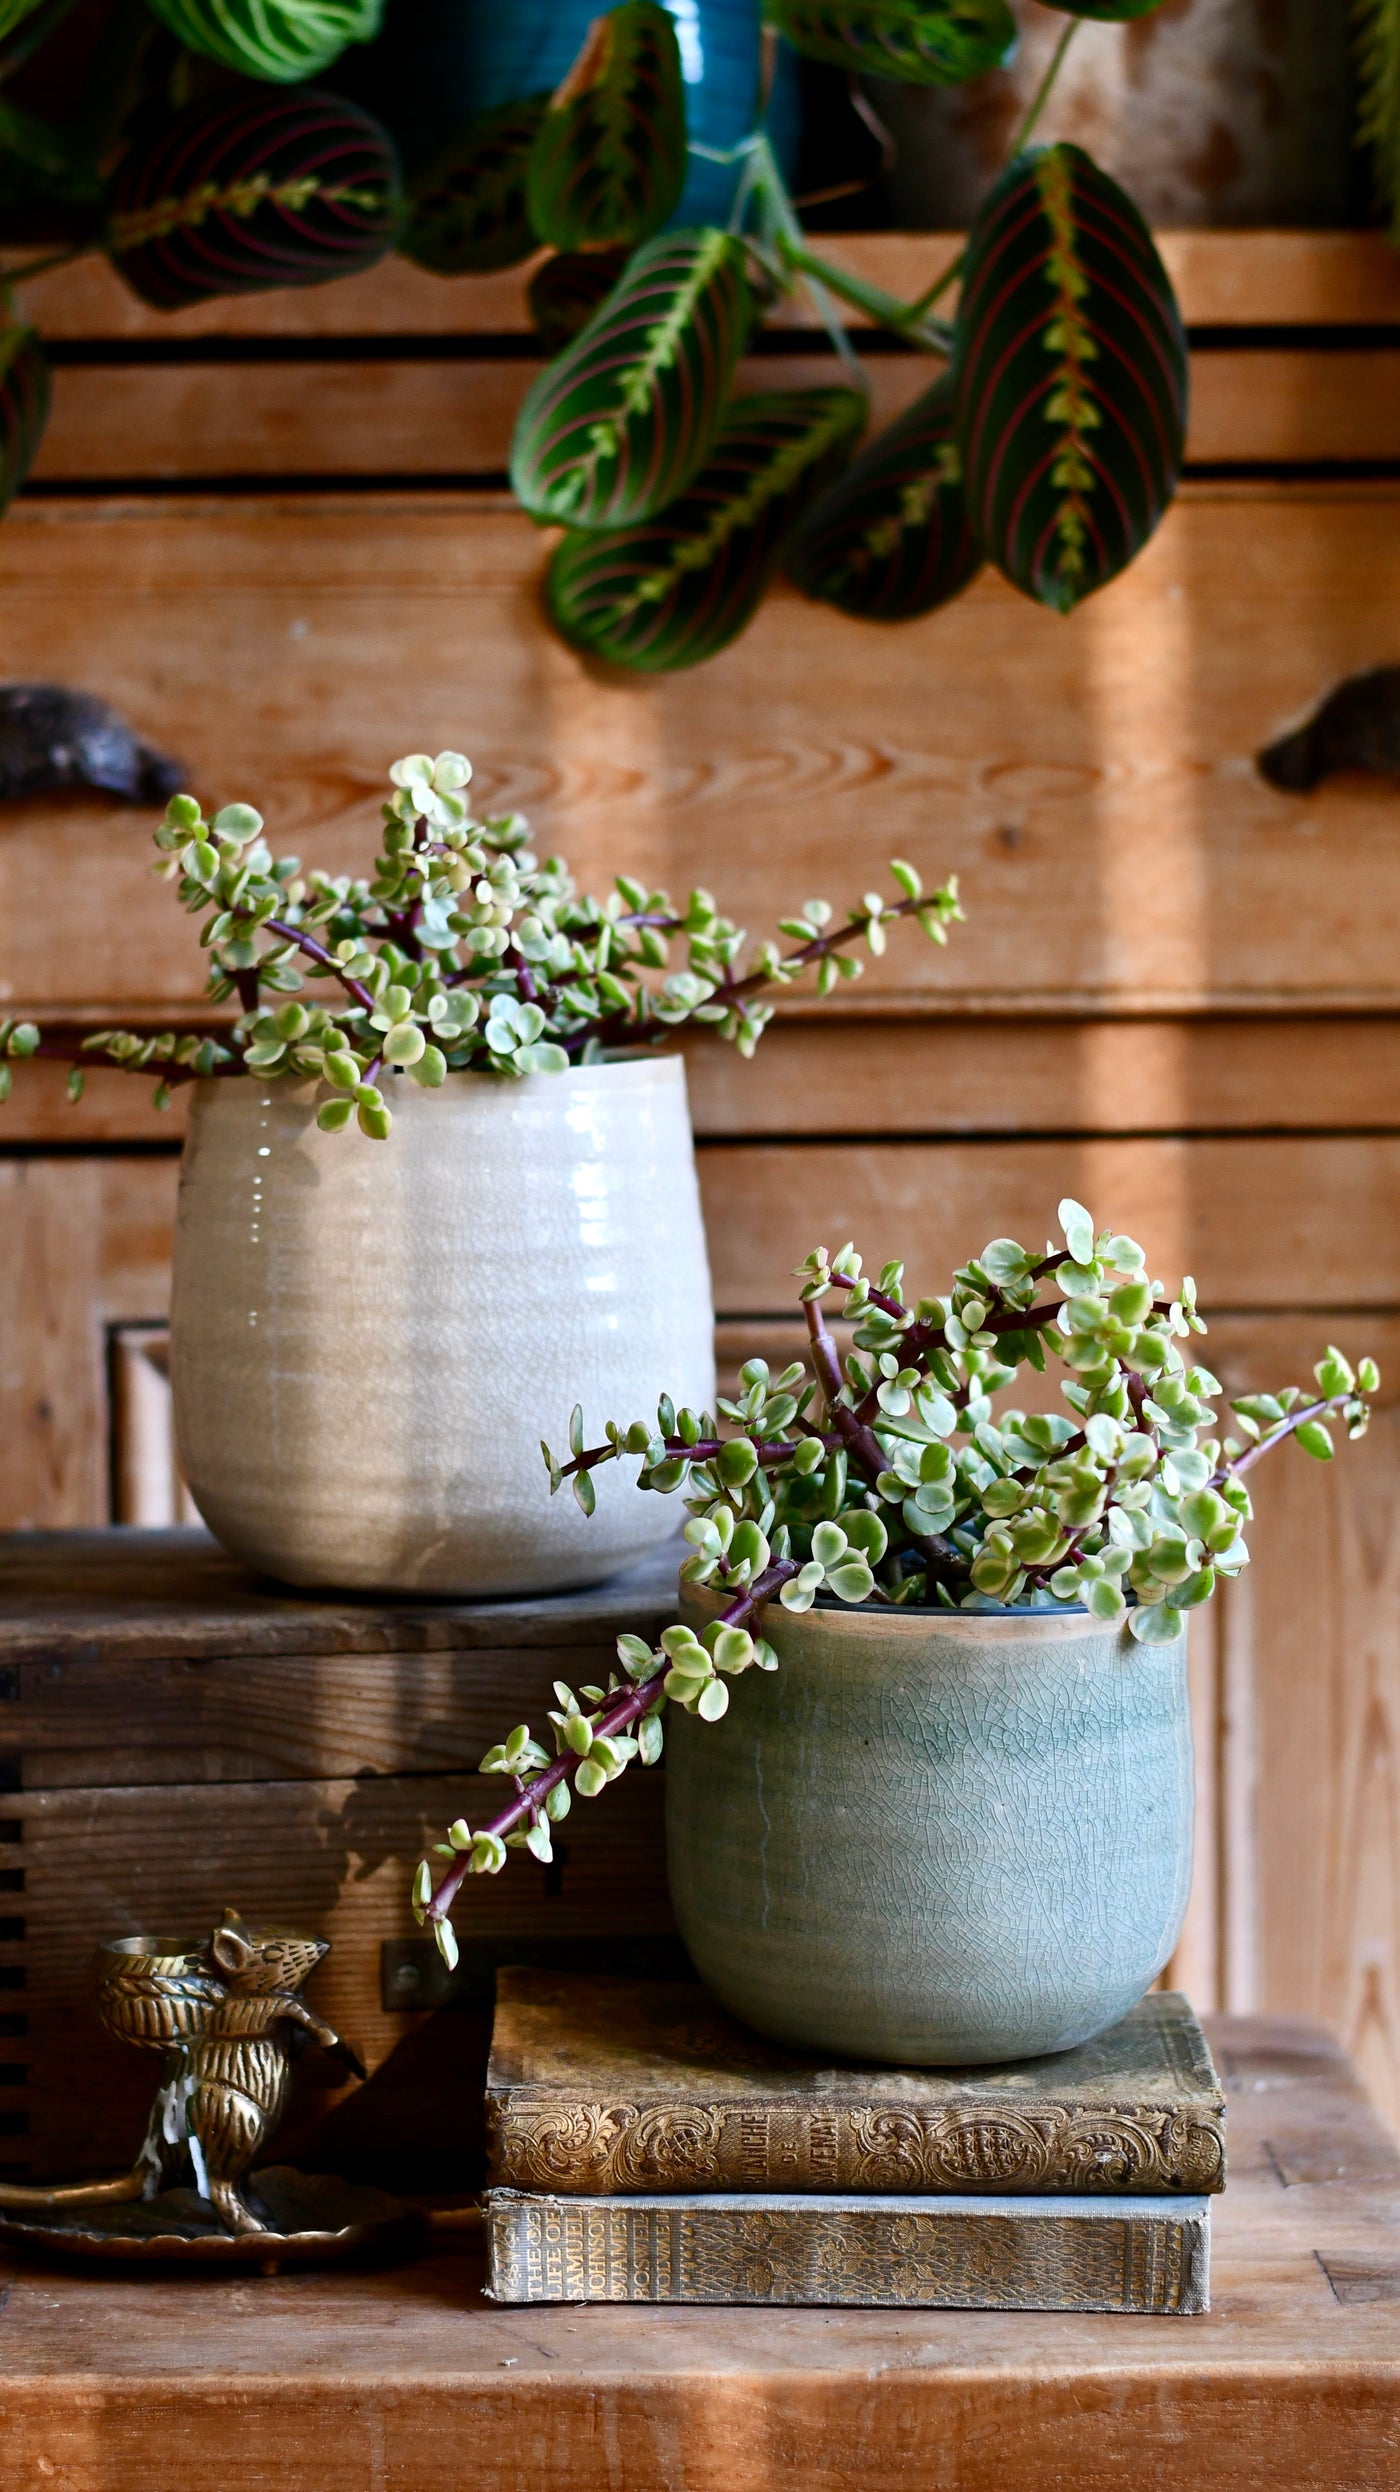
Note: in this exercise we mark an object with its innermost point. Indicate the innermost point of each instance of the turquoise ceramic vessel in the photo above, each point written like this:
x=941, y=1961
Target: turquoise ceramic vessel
x=439, y=62
x=935, y=1838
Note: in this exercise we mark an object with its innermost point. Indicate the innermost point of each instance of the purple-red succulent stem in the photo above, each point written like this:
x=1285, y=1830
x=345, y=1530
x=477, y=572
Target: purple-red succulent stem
x=627, y=1707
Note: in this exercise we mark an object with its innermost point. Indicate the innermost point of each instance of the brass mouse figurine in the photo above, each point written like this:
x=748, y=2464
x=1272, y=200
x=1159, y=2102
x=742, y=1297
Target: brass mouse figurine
x=228, y=2018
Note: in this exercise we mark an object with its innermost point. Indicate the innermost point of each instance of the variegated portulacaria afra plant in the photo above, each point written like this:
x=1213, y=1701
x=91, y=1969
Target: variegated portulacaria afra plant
x=892, y=1475
x=463, y=952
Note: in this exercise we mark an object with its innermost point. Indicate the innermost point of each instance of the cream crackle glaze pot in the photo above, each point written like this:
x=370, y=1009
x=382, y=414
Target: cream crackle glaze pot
x=936, y=1837
x=369, y=1339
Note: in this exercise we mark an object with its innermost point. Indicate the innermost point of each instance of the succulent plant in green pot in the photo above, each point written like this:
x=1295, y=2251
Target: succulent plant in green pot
x=929, y=1793
x=435, y=1130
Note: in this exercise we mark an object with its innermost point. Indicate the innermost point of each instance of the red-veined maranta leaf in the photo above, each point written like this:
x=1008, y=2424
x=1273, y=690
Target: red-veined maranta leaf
x=1071, y=378
x=675, y=589
x=566, y=291
x=890, y=538
x=24, y=406
x=619, y=424
x=608, y=165
x=927, y=43
x=263, y=190
x=277, y=39
x=467, y=211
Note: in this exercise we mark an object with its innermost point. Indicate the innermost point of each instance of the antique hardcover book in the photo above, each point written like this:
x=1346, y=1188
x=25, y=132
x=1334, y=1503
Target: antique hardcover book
x=600, y=2085
x=1143, y=2254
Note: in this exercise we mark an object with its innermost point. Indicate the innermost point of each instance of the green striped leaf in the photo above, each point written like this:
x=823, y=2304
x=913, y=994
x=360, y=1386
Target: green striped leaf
x=13, y=13
x=890, y=539
x=927, y=43
x=1376, y=45
x=621, y=422
x=566, y=291
x=467, y=211
x=673, y=591
x=24, y=406
x=608, y=164
x=276, y=39
x=256, y=191
x=1071, y=370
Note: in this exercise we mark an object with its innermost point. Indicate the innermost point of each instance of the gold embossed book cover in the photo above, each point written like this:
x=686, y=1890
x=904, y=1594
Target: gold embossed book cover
x=599, y=2084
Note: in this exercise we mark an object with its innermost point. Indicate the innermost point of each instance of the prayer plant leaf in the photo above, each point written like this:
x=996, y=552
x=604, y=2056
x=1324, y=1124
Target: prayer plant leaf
x=1376, y=47
x=275, y=39
x=24, y=406
x=927, y=43
x=608, y=163
x=890, y=538
x=678, y=588
x=1071, y=365
x=625, y=417
x=566, y=291
x=467, y=211
x=262, y=190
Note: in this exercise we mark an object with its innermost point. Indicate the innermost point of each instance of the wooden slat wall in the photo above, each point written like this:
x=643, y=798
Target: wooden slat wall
x=1176, y=995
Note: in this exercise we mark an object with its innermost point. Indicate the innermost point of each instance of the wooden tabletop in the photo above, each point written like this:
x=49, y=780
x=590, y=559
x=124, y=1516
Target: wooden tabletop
x=404, y=2379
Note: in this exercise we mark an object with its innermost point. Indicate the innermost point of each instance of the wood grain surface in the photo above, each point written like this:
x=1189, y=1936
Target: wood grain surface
x=1117, y=851
x=1226, y=279
x=430, y=416
x=1290, y=2384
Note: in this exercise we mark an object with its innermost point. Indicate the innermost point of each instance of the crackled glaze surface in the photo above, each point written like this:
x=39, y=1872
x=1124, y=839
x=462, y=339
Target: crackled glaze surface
x=936, y=1839
x=370, y=1338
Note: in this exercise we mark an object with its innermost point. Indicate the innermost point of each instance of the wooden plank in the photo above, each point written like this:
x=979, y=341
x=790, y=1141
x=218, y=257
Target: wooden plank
x=1310, y=1726
x=434, y=418
x=336, y=1857
x=87, y=1241
x=1290, y=2382
x=1122, y=770
x=830, y=1072
x=1244, y=1214
x=1234, y=279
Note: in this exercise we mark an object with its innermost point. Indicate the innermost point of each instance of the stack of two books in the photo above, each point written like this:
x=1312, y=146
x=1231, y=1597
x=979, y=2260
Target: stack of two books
x=646, y=2148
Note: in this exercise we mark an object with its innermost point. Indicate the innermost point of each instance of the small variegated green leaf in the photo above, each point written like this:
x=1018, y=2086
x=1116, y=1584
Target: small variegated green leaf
x=928, y=43
x=678, y=589
x=618, y=426
x=608, y=164
x=467, y=211
x=1071, y=364
x=890, y=538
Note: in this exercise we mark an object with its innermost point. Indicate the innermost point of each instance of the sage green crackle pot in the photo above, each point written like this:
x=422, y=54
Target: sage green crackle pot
x=935, y=1837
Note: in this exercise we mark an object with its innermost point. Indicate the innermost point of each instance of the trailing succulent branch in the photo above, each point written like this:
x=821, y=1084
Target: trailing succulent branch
x=888, y=1476
x=461, y=953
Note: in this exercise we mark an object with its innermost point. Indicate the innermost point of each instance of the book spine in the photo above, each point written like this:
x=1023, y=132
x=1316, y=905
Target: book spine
x=950, y=2254
x=572, y=2146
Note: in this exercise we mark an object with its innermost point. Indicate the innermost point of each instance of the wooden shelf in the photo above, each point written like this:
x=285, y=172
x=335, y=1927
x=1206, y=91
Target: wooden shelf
x=1223, y=279
x=407, y=2378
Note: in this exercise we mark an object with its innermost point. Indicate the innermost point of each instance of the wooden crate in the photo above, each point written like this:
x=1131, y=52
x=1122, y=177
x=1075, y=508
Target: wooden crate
x=175, y=1740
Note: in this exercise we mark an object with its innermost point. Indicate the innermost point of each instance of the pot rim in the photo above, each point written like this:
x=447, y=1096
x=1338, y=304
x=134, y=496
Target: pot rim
x=639, y=1066
x=860, y=1622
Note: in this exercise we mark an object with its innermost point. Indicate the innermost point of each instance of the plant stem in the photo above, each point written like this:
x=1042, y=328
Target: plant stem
x=763, y=179
x=41, y=267
x=1020, y=141
x=628, y=1707
x=1327, y=1409
x=1043, y=92
x=313, y=950
x=906, y=319
x=704, y=1449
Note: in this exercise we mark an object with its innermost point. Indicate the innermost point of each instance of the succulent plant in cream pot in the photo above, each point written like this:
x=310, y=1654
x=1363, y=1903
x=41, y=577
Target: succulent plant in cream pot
x=929, y=1782
x=438, y=1159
